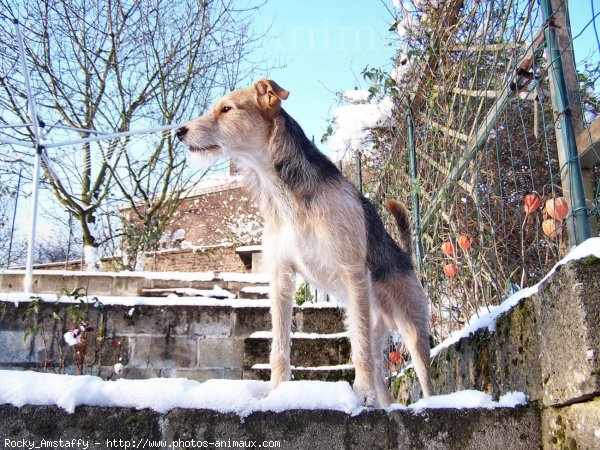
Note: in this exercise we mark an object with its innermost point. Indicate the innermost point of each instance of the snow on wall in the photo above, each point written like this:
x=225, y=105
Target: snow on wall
x=241, y=397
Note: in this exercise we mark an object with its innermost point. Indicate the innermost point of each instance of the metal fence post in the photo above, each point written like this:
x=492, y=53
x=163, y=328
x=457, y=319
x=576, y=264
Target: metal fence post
x=414, y=191
x=580, y=230
x=28, y=282
x=359, y=177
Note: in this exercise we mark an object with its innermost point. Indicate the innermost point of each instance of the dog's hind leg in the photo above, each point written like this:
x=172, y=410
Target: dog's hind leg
x=380, y=332
x=359, y=328
x=282, y=290
x=412, y=320
x=404, y=305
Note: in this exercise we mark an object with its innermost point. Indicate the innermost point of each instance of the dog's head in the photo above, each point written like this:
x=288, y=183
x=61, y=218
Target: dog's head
x=238, y=125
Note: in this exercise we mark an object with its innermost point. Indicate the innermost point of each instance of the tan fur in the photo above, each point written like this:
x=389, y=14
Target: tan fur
x=315, y=228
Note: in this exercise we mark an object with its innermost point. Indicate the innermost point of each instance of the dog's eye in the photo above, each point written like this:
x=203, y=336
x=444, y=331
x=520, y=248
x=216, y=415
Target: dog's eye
x=226, y=109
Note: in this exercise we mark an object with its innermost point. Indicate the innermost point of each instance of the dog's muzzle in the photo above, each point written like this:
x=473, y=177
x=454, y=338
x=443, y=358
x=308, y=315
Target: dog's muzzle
x=181, y=132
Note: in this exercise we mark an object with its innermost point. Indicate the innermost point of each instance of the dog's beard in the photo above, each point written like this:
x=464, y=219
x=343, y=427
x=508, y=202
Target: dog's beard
x=204, y=159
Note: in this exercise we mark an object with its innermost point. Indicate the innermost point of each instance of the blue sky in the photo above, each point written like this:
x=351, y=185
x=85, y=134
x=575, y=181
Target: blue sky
x=324, y=45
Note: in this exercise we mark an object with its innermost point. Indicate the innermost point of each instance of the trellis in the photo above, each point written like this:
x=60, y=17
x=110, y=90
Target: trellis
x=496, y=113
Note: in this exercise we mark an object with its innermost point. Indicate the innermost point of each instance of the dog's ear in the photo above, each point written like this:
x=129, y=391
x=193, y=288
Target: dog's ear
x=269, y=95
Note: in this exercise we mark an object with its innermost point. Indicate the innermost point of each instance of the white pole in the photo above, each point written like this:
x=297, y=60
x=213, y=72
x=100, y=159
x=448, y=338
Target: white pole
x=105, y=136
x=28, y=282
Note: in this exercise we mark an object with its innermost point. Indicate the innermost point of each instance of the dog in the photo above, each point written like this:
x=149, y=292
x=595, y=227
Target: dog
x=317, y=224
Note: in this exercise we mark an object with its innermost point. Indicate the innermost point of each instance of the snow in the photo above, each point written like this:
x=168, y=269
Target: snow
x=249, y=248
x=172, y=300
x=167, y=276
x=72, y=337
x=245, y=277
x=355, y=122
x=468, y=399
x=263, y=290
x=215, y=292
x=299, y=335
x=241, y=397
x=321, y=368
x=486, y=317
x=357, y=95
x=91, y=256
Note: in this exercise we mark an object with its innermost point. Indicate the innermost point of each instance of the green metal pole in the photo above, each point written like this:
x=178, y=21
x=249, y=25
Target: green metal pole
x=359, y=179
x=562, y=104
x=415, y=194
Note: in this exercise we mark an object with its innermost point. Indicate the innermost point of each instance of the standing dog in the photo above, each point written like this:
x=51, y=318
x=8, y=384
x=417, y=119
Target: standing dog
x=317, y=224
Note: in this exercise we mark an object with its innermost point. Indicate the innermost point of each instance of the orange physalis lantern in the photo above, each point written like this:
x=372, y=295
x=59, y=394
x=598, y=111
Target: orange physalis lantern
x=557, y=208
x=447, y=248
x=464, y=242
x=395, y=357
x=450, y=270
x=551, y=228
x=532, y=203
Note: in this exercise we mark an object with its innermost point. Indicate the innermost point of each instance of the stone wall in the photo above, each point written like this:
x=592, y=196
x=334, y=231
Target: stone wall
x=195, y=342
x=109, y=428
x=548, y=346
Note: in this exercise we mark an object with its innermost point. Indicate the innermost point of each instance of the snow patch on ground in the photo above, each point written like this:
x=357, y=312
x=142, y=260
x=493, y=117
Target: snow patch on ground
x=241, y=397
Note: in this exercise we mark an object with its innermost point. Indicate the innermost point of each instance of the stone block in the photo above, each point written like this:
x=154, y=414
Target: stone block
x=572, y=427
x=200, y=321
x=201, y=375
x=170, y=320
x=163, y=352
x=510, y=428
x=517, y=351
x=17, y=350
x=305, y=352
x=11, y=282
x=247, y=320
x=319, y=320
x=221, y=352
x=570, y=333
x=304, y=374
x=95, y=426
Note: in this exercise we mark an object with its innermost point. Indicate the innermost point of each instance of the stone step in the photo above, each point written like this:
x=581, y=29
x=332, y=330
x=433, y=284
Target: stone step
x=344, y=372
x=308, y=349
x=126, y=283
x=254, y=293
x=443, y=429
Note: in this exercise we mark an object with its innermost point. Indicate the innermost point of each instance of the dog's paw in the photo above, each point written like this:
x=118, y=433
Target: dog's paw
x=366, y=395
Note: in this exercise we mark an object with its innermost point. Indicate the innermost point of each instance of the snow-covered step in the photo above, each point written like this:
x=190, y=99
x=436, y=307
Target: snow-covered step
x=127, y=283
x=254, y=293
x=216, y=292
x=308, y=349
x=340, y=372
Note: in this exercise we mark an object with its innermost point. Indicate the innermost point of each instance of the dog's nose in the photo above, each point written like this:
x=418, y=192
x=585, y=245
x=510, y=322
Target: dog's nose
x=180, y=133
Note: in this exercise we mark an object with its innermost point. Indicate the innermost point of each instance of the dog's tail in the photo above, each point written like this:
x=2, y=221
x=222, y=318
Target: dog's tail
x=400, y=213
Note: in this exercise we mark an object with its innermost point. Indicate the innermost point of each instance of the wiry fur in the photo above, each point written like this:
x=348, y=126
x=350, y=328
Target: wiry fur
x=317, y=224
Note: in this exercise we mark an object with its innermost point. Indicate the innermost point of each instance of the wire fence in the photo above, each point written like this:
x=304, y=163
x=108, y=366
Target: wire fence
x=495, y=147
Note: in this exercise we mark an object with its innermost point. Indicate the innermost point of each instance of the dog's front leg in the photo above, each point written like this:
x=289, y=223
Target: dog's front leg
x=282, y=290
x=359, y=328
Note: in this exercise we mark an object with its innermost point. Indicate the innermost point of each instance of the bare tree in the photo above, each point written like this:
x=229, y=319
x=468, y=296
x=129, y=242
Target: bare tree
x=114, y=66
